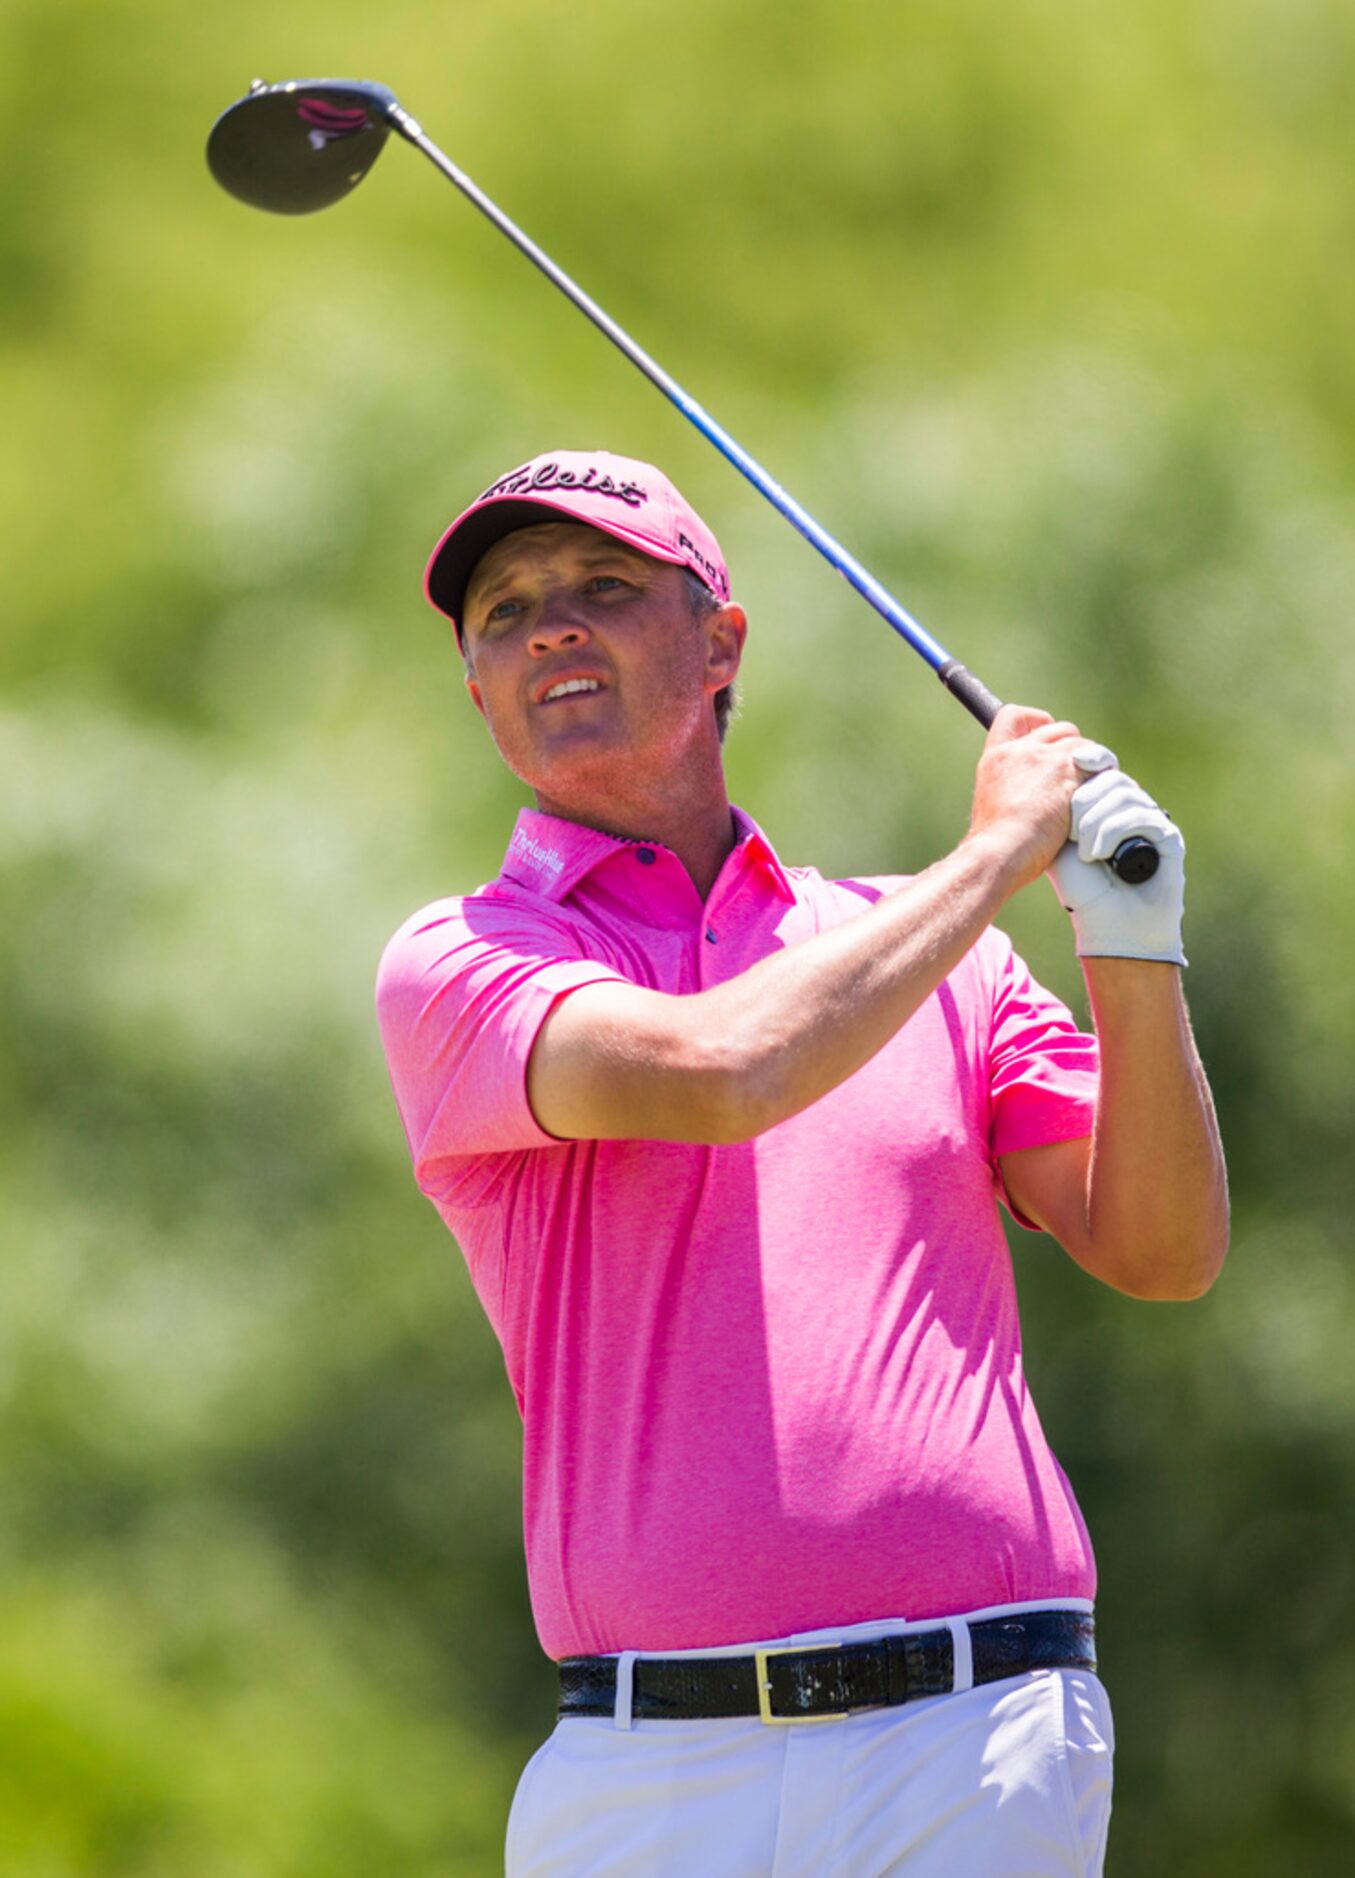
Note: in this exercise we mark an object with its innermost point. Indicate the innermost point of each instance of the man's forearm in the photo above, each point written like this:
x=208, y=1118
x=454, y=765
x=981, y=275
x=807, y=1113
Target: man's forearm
x=1157, y=1194
x=797, y=1024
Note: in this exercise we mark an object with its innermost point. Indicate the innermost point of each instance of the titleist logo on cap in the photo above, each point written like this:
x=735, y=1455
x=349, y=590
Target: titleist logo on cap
x=551, y=476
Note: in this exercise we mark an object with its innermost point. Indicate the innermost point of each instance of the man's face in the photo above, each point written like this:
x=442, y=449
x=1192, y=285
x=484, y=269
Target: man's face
x=589, y=662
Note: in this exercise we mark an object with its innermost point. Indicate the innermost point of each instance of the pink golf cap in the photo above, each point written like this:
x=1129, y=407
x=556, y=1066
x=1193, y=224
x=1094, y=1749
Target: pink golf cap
x=623, y=497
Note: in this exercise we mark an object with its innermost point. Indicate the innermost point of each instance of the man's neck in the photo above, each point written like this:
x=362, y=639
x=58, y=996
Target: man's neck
x=697, y=825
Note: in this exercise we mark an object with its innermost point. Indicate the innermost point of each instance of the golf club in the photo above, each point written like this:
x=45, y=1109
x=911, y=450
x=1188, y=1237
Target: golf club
x=305, y=143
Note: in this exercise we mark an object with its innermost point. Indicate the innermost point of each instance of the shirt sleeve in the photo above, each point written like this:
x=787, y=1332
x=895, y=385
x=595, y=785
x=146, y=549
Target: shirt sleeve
x=1044, y=1073
x=462, y=990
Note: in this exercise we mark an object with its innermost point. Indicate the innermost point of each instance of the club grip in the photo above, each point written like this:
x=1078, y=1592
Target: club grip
x=1135, y=860
x=973, y=694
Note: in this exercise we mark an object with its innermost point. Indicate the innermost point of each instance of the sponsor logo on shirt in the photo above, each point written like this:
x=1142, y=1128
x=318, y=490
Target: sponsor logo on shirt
x=529, y=849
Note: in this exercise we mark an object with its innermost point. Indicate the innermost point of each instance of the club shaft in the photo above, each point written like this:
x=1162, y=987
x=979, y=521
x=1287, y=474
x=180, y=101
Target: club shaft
x=970, y=692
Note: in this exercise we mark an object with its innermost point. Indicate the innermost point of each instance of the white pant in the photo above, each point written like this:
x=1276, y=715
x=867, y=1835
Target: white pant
x=1008, y=1780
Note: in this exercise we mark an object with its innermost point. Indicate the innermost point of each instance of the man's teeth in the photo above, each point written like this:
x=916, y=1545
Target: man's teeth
x=572, y=684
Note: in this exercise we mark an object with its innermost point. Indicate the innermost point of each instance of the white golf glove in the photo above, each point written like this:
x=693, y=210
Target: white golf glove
x=1112, y=919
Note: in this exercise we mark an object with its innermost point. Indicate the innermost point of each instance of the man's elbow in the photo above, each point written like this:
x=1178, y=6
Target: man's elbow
x=1167, y=1272
x=1183, y=1288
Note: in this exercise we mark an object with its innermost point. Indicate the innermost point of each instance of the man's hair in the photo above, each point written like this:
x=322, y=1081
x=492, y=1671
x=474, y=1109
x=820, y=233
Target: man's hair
x=704, y=601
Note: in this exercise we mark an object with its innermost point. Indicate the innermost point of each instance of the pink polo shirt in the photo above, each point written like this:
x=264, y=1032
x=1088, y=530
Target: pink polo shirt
x=769, y=1387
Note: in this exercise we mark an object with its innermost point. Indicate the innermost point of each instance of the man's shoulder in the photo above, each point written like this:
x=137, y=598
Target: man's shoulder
x=492, y=896
x=853, y=893
x=868, y=888
x=499, y=911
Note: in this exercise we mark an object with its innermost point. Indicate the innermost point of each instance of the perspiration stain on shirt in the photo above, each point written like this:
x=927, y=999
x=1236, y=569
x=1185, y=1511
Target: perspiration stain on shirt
x=766, y=1387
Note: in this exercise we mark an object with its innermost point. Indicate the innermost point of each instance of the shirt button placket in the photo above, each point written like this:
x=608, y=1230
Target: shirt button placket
x=709, y=963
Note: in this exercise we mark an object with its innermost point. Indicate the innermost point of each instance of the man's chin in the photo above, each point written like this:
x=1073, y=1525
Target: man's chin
x=589, y=765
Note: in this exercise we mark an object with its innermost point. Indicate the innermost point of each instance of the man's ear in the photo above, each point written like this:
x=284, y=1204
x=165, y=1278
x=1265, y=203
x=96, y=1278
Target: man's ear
x=726, y=630
x=474, y=691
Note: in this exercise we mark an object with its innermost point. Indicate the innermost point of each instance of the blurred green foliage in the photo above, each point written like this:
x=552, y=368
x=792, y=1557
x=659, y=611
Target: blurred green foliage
x=1048, y=310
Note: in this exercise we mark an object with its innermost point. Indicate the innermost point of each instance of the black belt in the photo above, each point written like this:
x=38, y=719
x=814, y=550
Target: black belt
x=813, y=1682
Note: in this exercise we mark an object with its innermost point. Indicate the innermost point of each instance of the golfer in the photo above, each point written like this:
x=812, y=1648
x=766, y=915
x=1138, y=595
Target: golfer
x=724, y=1145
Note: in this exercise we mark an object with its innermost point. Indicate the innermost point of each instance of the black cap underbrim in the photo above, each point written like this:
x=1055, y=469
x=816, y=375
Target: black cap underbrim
x=456, y=560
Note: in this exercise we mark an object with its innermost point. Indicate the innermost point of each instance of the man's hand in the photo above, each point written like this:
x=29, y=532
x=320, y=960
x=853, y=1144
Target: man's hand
x=1023, y=791
x=1112, y=919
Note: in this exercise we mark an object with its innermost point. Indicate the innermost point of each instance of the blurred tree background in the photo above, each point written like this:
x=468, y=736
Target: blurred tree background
x=1049, y=311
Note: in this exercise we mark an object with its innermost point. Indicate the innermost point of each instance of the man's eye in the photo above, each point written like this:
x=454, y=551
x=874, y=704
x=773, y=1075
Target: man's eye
x=601, y=582
x=502, y=609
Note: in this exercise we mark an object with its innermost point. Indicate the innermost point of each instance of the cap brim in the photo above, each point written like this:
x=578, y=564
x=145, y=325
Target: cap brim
x=467, y=542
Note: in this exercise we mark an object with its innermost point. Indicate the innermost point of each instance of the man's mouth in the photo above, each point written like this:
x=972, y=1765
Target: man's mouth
x=570, y=687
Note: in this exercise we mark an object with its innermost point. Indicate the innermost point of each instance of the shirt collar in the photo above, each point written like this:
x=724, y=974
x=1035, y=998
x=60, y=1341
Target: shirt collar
x=755, y=848
x=550, y=856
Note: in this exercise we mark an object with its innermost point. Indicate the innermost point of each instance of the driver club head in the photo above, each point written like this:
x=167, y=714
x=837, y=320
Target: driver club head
x=300, y=145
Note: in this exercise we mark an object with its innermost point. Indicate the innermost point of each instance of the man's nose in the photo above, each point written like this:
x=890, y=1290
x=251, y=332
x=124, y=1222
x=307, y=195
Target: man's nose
x=559, y=623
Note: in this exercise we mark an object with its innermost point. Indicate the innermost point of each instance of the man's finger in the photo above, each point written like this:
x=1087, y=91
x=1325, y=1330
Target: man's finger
x=1017, y=720
x=1092, y=757
x=1100, y=839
